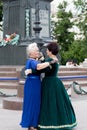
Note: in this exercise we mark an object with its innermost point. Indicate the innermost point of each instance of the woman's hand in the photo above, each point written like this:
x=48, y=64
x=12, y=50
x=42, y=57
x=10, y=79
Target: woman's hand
x=28, y=71
x=41, y=57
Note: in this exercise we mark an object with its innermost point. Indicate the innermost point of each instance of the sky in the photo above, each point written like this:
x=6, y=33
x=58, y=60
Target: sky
x=55, y=3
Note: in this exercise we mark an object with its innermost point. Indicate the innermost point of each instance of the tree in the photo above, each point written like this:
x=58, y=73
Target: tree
x=72, y=48
x=81, y=7
x=62, y=26
x=76, y=52
x=81, y=22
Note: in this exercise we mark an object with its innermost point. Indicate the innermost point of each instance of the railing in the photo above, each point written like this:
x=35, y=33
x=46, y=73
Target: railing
x=60, y=77
x=78, y=91
x=72, y=77
x=14, y=78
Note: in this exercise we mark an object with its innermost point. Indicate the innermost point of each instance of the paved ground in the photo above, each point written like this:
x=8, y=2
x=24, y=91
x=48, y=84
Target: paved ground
x=10, y=119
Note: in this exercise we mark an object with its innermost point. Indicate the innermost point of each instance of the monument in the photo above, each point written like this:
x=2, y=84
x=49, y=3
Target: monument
x=30, y=19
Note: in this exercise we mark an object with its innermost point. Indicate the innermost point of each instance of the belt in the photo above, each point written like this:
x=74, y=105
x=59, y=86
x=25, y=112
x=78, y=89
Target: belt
x=34, y=77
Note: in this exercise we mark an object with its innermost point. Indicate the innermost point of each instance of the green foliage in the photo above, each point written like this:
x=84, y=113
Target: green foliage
x=71, y=48
x=81, y=6
x=75, y=51
x=62, y=26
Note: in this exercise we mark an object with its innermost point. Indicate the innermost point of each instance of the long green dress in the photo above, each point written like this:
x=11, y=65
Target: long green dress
x=56, y=112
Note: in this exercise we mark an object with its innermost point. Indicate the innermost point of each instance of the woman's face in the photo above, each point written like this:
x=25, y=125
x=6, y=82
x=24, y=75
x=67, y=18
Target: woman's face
x=35, y=53
x=48, y=52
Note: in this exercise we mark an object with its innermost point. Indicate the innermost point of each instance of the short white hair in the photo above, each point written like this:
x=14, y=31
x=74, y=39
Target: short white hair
x=31, y=47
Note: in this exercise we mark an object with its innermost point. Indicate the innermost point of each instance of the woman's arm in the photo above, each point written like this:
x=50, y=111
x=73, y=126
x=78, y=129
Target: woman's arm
x=46, y=64
x=42, y=67
x=34, y=71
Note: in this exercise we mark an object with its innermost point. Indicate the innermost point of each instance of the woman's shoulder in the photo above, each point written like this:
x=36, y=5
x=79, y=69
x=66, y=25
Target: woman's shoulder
x=30, y=60
x=51, y=59
x=48, y=59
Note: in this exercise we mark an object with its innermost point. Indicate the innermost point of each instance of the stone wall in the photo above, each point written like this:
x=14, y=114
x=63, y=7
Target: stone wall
x=12, y=55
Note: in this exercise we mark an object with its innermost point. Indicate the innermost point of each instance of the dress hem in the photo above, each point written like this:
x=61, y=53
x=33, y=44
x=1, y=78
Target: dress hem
x=58, y=127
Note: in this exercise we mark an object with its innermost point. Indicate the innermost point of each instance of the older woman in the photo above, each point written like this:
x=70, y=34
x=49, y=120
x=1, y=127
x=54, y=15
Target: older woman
x=32, y=89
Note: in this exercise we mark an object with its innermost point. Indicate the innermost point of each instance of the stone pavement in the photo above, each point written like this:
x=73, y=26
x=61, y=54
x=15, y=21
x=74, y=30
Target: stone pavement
x=10, y=119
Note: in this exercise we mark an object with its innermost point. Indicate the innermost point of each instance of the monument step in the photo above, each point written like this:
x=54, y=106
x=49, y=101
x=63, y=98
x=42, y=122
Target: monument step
x=8, y=92
x=7, y=68
x=65, y=68
x=9, y=85
x=10, y=68
x=8, y=74
x=75, y=79
x=69, y=73
x=9, y=81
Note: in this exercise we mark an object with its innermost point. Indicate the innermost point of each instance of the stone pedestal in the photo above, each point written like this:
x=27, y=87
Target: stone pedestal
x=15, y=103
x=12, y=103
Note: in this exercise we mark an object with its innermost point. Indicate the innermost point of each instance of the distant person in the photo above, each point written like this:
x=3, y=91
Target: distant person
x=75, y=62
x=71, y=63
x=32, y=89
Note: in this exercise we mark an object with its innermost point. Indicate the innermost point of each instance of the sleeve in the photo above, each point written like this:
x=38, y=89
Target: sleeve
x=31, y=64
x=34, y=64
x=34, y=71
x=27, y=64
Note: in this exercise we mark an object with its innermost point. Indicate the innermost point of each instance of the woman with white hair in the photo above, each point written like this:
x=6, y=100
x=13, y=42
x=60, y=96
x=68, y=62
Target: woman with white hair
x=32, y=89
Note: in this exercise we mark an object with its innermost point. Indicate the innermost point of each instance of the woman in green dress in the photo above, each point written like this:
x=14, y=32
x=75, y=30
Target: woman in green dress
x=56, y=112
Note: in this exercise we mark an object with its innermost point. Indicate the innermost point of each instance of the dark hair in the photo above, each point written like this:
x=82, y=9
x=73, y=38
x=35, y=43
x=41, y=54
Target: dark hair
x=53, y=47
